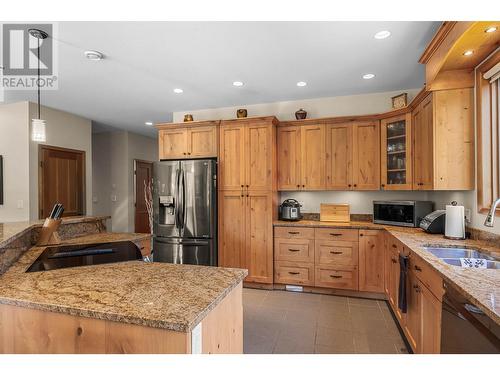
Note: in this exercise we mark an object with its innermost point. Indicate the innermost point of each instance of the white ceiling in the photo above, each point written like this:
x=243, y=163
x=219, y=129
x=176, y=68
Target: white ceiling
x=145, y=61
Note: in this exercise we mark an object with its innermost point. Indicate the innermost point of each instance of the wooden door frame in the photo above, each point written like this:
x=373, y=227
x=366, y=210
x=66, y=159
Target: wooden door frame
x=135, y=183
x=41, y=148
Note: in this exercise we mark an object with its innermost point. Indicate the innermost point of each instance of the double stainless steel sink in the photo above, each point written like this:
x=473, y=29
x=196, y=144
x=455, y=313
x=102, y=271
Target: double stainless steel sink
x=452, y=255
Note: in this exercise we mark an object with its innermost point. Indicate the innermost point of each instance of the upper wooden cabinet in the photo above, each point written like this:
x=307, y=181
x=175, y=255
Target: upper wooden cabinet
x=188, y=141
x=366, y=156
x=301, y=157
x=396, y=153
x=247, y=154
x=443, y=141
x=339, y=156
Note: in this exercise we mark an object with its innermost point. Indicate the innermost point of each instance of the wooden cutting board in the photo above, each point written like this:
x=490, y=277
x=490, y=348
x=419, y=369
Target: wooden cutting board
x=335, y=212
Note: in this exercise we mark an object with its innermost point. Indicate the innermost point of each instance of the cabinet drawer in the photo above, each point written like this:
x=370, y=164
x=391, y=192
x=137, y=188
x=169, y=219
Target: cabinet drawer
x=330, y=277
x=294, y=249
x=336, y=253
x=336, y=234
x=294, y=273
x=427, y=275
x=294, y=232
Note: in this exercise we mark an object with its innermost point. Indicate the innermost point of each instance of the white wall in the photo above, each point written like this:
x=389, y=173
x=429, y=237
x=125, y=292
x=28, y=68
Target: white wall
x=66, y=130
x=14, y=135
x=113, y=187
x=319, y=107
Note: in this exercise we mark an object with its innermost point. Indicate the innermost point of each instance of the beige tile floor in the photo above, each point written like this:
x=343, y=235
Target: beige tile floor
x=287, y=322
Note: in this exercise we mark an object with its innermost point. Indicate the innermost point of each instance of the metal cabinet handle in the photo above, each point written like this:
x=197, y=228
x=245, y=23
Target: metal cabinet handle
x=335, y=234
x=294, y=250
x=293, y=273
x=393, y=260
x=293, y=232
x=336, y=276
x=394, y=246
x=336, y=252
x=417, y=268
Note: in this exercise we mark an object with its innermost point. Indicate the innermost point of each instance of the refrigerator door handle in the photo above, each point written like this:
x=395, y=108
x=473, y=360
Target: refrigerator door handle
x=183, y=189
x=176, y=199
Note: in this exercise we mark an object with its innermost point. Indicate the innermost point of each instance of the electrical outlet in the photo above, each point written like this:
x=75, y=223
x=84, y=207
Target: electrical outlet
x=302, y=206
x=94, y=199
x=113, y=198
x=20, y=204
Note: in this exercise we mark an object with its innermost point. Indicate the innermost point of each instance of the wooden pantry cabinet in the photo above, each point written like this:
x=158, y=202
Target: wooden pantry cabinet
x=247, y=196
x=188, y=141
x=301, y=157
x=443, y=141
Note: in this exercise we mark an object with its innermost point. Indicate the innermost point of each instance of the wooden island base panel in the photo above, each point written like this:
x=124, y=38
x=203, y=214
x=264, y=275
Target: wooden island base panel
x=30, y=331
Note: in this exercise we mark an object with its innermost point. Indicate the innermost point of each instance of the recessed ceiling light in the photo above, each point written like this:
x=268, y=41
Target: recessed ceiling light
x=178, y=91
x=93, y=55
x=491, y=29
x=382, y=34
x=237, y=83
x=368, y=76
x=468, y=53
x=148, y=123
x=301, y=84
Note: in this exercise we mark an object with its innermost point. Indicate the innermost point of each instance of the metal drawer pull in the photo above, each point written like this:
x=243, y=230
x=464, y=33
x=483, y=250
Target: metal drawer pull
x=336, y=276
x=394, y=246
x=393, y=260
x=417, y=268
x=336, y=234
x=294, y=250
x=336, y=252
x=293, y=273
x=293, y=232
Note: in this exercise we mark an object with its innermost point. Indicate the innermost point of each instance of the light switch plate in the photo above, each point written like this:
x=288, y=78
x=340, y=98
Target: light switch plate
x=113, y=198
x=20, y=204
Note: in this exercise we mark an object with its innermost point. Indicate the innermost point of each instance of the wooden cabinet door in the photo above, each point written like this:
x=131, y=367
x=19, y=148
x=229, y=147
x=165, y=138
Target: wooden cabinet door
x=422, y=120
x=366, y=156
x=339, y=156
x=396, y=153
x=173, y=143
x=313, y=163
x=232, y=157
x=289, y=158
x=232, y=214
x=371, y=261
x=259, y=237
x=413, y=313
x=202, y=142
x=430, y=338
x=259, y=156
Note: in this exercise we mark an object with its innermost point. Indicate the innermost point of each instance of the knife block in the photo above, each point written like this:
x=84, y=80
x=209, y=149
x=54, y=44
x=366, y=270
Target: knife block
x=48, y=233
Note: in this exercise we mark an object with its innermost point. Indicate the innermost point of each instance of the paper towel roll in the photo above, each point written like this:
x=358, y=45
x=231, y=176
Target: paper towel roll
x=455, y=222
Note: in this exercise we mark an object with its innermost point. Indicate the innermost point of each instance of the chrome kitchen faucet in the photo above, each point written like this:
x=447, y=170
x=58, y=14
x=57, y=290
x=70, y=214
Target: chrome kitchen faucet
x=490, y=218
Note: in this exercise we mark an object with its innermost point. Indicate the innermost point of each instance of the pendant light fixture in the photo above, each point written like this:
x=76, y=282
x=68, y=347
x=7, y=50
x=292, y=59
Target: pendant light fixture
x=38, y=133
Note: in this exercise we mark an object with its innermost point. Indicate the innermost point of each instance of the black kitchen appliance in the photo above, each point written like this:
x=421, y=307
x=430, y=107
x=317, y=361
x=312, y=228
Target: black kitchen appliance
x=434, y=222
x=64, y=256
x=290, y=210
x=401, y=213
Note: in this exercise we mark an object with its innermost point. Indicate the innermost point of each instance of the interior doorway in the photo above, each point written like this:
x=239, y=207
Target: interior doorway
x=143, y=172
x=61, y=179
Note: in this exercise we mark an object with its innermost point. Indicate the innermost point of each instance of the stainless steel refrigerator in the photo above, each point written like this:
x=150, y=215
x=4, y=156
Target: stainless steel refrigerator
x=185, y=211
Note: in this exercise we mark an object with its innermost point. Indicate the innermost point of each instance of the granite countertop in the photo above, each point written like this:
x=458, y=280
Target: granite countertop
x=10, y=231
x=480, y=286
x=159, y=295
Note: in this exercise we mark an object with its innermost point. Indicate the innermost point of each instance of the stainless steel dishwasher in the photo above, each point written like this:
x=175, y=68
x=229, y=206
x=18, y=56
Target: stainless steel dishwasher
x=466, y=328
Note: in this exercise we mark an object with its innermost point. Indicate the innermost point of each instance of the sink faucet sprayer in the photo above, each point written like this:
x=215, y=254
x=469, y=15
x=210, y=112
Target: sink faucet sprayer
x=490, y=218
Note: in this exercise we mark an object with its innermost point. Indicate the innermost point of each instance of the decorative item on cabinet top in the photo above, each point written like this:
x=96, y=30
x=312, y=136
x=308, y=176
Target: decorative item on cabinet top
x=188, y=118
x=241, y=113
x=300, y=114
x=400, y=101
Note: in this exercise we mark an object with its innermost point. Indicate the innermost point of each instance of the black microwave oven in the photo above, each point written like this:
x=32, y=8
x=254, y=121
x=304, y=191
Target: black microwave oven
x=401, y=213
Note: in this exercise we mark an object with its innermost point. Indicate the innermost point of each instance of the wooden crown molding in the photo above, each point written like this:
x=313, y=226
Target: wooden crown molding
x=437, y=40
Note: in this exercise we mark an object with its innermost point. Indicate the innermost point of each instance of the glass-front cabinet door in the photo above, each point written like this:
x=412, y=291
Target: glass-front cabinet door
x=396, y=153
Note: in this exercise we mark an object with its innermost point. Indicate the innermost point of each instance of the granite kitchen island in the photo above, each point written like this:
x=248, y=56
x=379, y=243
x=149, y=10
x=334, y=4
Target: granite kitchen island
x=127, y=307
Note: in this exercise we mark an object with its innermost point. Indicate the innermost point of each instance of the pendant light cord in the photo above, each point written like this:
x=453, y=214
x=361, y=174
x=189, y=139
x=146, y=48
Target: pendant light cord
x=38, y=81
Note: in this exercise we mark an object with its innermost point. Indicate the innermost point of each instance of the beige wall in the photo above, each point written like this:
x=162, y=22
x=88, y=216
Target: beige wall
x=14, y=145
x=113, y=186
x=66, y=130
x=320, y=107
